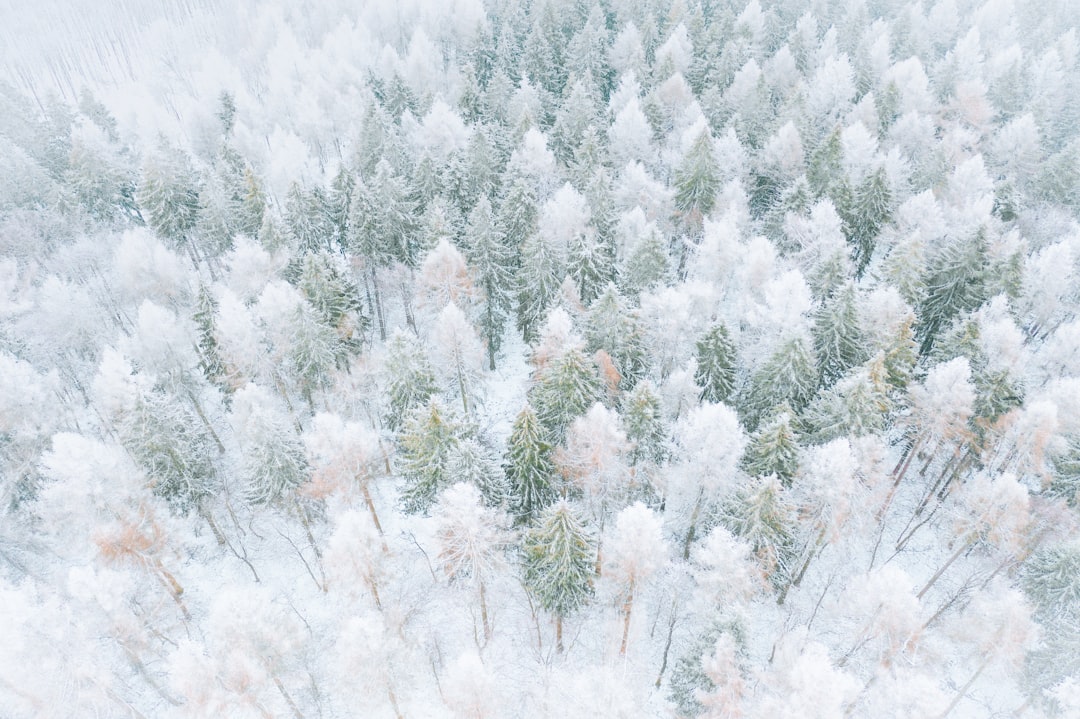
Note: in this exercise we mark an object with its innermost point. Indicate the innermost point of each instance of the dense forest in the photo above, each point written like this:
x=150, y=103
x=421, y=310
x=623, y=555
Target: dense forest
x=546, y=358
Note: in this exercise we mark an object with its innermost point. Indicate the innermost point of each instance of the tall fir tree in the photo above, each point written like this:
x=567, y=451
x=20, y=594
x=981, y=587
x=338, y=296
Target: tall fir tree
x=564, y=391
x=539, y=279
x=309, y=220
x=761, y=515
x=336, y=300
x=869, y=212
x=839, y=341
x=643, y=420
x=773, y=449
x=168, y=441
x=955, y=282
x=410, y=378
x=613, y=326
x=530, y=469
x=789, y=376
x=697, y=182
x=210, y=360
x=716, y=361
x=493, y=269
x=559, y=557
x=169, y=196
x=428, y=444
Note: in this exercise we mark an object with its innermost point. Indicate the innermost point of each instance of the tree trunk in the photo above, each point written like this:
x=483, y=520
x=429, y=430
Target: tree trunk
x=948, y=563
x=378, y=304
x=288, y=699
x=628, y=608
x=964, y=689
x=484, y=615
x=667, y=647
x=558, y=633
x=693, y=524
x=374, y=515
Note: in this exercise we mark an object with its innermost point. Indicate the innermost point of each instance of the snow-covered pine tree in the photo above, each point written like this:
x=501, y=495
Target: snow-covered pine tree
x=788, y=377
x=697, y=182
x=313, y=353
x=773, y=449
x=410, y=378
x=869, y=212
x=336, y=300
x=273, y=462
x=168, y=441
x=647, y=265
x=716, y=361
x=539, y=278
x=565, y=390
x=761, y=514
x=210, y=361
x=839, y=340
x=428, y=443
x=472, y=462
x=308, y=218
x=169, y=196
x=529, y=467
x=492, y=262
x=643, y=419
x=955, y=282
x=558, y=558
x=612, y=326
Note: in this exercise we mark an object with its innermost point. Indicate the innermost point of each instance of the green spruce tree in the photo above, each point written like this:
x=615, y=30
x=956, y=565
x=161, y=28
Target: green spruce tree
x=492, y=264
x=428, y=443
x=773, y=449
x=716, y=358
x=530, y=470
x=565, y=391
x=839, y=341
x=789, y=376
x=559, y=557
x=410, y=379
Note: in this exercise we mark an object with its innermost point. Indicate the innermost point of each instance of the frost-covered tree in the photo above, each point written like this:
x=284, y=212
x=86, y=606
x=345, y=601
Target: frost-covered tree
x=716, y=362
x=788, y=377
x=565, y=390
x=612, y=326
x=529, y=467
x=697, y=181
x=410, y=380
x=711, y=443
x=335, y=298
x=210, y=360
x=762, y=515
x=273, y=462
x=428, y=442
x=169, y=195
x=646, y=429
x=867, y=215
x=593, y=460
x=538, y=282
x=458, y=355
x=473, y=463
x=636, y=551
x=308, y=218
x=176, y=450
x=492, y=261
x=839, y=341
x=558, y=556
x=773, y=450
x=955, y=282
x=471, y=540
